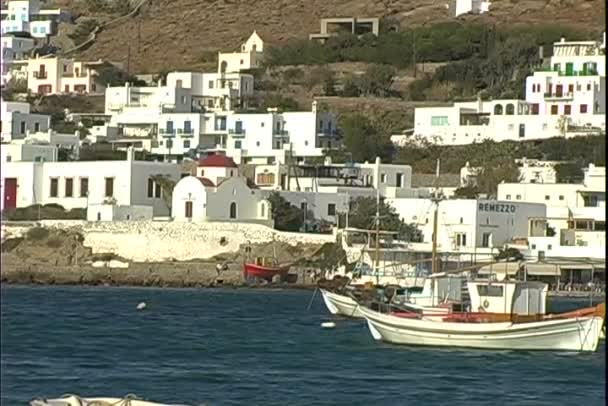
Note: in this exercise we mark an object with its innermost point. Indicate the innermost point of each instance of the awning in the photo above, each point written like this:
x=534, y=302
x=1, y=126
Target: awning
x=543, y=269
x=509, y=268
x=598, y=267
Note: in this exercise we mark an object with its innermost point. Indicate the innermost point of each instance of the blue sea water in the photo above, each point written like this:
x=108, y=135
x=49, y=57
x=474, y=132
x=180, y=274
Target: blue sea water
x=256, y=347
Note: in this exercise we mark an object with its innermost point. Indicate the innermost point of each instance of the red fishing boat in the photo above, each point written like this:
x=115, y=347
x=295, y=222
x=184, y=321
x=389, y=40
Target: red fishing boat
x=265, y=268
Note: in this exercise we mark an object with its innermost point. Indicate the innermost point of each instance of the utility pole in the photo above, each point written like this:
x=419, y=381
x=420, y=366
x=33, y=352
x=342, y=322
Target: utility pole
x=129, y=59
x=414, y=52
x=138, y=34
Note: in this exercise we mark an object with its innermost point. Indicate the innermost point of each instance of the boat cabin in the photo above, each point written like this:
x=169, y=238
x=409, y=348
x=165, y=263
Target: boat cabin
x=508, y=297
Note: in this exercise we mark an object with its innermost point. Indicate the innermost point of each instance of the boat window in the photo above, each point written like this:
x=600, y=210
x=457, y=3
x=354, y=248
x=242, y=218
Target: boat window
x=489, y=290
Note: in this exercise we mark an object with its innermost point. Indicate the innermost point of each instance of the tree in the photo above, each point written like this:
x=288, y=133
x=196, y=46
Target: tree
x=286, y=216
x=510, y=254
x=569, y=172
x=279, y=101
x=377, y=80
x=329, y=85
x=362, y=213
x=350, y=87
x=493, y=173
x=14, y=86
x=167, y=185
x=363, y=140
x=466, y=192
x=110, y=75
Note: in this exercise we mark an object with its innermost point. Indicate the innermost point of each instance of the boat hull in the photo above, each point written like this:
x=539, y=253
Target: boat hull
x=341, y=304
x=264, y=272
x=571, y=334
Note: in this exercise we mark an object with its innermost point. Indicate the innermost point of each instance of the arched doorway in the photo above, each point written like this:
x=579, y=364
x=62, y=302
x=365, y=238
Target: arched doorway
x=233, y=210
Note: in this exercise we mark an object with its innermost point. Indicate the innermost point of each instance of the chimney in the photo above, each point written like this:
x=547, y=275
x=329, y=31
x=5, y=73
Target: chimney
x=314, y=106
x=541, y=52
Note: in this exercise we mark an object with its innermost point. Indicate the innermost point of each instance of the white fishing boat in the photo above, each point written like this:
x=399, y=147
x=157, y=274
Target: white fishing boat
x=341, y=304
x=75, y=400
x=432, y=300
x=520, y=325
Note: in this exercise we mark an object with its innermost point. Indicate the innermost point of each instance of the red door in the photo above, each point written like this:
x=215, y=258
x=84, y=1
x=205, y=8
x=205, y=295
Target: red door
x=10, y=193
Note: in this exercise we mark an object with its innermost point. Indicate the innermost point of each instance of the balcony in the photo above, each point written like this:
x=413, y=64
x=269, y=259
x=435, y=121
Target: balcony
x=185, y=133
x=559, y=96
x=280, y=134
x=40, y=75
x=167, y=133
x=237, y=132
x=73, y=75
x=327, y=133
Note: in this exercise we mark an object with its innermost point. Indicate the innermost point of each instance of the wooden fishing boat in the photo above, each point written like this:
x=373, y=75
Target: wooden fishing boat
x=522, y=325
x=265, y=268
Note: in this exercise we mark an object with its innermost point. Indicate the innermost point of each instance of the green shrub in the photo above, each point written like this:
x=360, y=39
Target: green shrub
x=10, y=244
x=54, y=242
x=37, y=233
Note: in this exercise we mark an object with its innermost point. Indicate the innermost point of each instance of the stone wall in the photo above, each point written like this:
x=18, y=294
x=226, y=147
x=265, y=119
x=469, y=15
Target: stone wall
x=161, y=241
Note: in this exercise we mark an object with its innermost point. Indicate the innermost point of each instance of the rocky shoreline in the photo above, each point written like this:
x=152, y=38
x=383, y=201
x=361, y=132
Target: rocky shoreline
x=179, y=275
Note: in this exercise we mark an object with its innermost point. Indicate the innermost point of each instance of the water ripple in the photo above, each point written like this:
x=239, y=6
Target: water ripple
x=233, y=347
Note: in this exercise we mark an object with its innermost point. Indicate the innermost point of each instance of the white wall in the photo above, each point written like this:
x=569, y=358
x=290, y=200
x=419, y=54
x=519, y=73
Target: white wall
x=214, y=203
x=161, y=241
x=17, y=120
x=28, y=152
x=318, y=203
x=189, y=189
x=504, y=220
x=130, y=182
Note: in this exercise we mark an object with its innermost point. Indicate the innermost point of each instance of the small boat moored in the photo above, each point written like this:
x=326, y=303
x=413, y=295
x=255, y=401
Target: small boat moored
x=265, y=268
x=75, y=400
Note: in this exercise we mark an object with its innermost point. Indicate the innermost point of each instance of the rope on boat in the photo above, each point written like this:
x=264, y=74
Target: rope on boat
x=311, y=299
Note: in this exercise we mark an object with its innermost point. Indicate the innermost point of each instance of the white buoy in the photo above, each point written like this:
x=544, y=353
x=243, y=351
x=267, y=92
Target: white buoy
x=141, y=306
x=328, y=324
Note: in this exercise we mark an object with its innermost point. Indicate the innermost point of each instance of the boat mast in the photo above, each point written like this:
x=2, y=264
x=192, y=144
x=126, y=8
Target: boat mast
x=377, y=236
x=435, y=200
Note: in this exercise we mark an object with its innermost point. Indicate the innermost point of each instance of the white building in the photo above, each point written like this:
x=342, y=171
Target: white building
x=16, y=121
x=216, y=168
x=29, y=16
x=530, y=171
x=567, y=101
x=13, y=48
x=263, y=138
x=574, y=86
x=576, y=215
x=249, y=57
x=18, y=151
x=214, y=91
x=59, y=75
x=460, y=7
x=78, y=184
x=469, y=226
x=197, y=199
x=357, y=179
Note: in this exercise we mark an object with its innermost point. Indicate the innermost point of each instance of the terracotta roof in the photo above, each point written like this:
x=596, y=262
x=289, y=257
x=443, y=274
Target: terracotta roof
x=220, y=161
x=206, y=182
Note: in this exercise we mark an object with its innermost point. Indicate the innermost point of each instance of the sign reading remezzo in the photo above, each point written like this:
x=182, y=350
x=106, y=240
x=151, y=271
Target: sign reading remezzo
x=497, y=207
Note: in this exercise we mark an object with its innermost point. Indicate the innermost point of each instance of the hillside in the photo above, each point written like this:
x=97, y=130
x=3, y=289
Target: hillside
x=177, y=34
